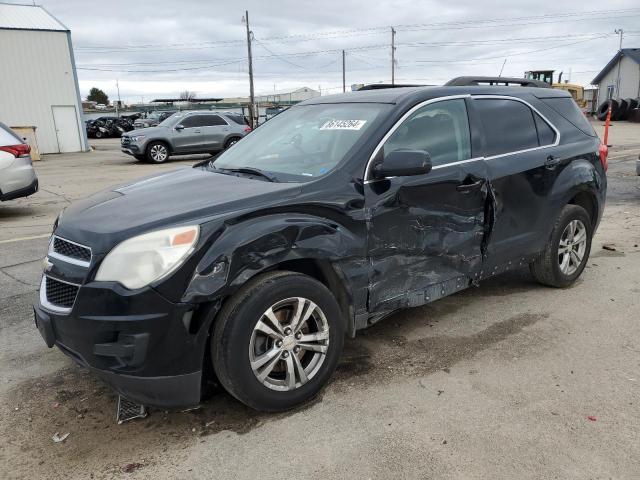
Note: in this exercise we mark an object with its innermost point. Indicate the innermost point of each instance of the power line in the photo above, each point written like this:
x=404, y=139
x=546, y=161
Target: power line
x=553, y=18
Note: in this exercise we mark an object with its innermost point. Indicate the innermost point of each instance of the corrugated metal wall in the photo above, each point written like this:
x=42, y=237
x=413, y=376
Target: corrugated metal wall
x=36, y=74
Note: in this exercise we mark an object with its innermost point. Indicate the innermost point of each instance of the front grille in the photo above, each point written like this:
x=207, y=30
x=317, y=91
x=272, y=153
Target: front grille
x=71, y=250
x=125, y=140
x=60, y=294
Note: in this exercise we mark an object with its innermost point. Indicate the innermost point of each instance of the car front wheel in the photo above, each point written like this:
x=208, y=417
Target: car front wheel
x=567, y=250
x=157, y=152
x=277, y=341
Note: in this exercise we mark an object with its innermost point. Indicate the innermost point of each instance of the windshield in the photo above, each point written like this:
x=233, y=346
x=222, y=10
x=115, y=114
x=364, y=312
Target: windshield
x=170, y=119
x=304, y=141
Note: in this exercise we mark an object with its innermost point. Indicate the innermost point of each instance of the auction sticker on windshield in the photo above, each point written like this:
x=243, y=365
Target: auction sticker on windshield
x=343, y=125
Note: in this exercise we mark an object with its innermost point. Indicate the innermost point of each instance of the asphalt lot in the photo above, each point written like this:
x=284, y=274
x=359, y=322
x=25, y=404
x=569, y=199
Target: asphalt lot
x=494, y=382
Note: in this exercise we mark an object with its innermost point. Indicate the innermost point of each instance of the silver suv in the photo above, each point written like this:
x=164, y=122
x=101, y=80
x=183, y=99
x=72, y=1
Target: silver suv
x=17, y=177
x=184, y=133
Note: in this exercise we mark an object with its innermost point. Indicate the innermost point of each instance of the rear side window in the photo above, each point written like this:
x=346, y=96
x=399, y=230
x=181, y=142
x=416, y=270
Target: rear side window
x=509, y=125
x=546, y=135
x=210, y=120
x=568, y=108
x=8, y=137
x=236, y=118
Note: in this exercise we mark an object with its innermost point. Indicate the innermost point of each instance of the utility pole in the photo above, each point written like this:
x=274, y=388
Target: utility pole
x=620, y=32
x=393, y=56
x=119, y=103
x=344, y=78
x=251, y=94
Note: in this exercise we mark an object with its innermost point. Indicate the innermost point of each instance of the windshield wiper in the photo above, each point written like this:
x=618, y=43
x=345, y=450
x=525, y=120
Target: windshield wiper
x=249, y=171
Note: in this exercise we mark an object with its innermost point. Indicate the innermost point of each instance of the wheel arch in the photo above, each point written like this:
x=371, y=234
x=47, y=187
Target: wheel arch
x=318, y=247
x=164, y=141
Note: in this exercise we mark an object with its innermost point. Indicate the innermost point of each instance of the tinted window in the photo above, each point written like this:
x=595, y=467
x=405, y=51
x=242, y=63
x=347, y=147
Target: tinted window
x=508, y=125
x=546, y=135
x=570, y=111
x=211, y=120
x=441, y=129
x=191, y=121
x=239, y=119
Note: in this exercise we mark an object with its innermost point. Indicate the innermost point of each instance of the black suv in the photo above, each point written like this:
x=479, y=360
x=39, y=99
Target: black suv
x=323, y=221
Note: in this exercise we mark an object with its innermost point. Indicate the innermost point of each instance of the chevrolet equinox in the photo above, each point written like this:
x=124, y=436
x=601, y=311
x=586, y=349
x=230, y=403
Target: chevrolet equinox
x=343, y=209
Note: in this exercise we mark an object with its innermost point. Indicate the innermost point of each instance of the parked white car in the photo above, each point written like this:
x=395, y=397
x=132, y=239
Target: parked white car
x=17, y=177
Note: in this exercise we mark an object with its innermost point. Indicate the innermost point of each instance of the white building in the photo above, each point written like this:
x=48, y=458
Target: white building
x=627, y=61
x=288, y=96
x=38, y=80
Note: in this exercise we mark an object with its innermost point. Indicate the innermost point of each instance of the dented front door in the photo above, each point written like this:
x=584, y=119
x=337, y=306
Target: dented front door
x=426, y=233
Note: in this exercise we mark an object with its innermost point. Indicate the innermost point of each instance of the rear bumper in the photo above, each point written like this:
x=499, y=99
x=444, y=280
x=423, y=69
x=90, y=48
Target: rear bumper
x=30, y=189
x=154, y=359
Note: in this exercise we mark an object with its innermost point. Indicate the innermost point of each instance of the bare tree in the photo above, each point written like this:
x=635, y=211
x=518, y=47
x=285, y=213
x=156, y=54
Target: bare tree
x=187, y=95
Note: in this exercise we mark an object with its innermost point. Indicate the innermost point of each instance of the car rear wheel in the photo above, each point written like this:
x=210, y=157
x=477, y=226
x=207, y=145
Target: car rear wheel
x=231, y=142
x=277, y=341
x=567, y=251
x=157, y=152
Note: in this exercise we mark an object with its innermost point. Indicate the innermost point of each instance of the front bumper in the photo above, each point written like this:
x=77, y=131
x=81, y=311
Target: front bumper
x=148, y=349
x=131, y=149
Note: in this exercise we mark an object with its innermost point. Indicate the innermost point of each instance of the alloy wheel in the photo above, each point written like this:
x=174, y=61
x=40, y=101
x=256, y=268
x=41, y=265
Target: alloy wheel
x=159, y=153
x=289, y=344
x=572, y=247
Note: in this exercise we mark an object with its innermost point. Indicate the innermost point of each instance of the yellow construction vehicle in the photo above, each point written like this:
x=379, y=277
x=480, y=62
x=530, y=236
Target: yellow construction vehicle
x=576, y=91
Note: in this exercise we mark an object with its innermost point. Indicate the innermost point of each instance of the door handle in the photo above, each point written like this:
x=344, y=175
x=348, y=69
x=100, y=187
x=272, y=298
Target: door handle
x=197, y=131
x=551, y=162
x=470, y=187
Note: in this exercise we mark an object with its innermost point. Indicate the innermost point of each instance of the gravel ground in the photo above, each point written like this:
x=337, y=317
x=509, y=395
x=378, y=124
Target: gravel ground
x=508, y=380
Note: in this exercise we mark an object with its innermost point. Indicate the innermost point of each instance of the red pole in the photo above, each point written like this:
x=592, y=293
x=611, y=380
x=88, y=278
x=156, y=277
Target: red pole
x=606, y=126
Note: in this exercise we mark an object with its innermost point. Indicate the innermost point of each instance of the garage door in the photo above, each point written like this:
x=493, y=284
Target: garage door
x=66, y=123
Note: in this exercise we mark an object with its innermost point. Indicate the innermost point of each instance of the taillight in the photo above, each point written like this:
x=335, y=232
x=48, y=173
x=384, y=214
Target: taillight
x=603, y=152
x=247, y=129
x=17, y=150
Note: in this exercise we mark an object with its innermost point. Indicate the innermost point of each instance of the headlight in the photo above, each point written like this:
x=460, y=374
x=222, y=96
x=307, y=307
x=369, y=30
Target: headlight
x=137, y=138
x=140, y=260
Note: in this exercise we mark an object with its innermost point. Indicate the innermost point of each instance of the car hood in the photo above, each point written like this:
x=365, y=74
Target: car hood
x=189, y=195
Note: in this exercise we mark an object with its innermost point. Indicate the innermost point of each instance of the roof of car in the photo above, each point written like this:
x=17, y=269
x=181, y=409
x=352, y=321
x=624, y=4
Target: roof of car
x=396, y=95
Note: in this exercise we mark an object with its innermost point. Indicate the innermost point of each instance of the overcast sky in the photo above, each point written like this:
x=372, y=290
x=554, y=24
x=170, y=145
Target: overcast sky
x=161, y=47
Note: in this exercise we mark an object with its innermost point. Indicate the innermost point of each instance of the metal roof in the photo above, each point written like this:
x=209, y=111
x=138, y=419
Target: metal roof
x=632, y=53
x=28, y=17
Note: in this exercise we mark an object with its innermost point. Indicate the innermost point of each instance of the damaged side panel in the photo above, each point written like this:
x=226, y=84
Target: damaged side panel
x=253, y=246
x=427, y=234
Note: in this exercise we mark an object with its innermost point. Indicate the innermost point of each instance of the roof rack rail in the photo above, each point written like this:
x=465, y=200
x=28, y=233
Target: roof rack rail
x=380, y=86
x=498, y=81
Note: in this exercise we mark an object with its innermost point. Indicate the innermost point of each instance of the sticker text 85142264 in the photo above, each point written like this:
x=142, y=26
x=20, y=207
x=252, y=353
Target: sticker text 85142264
x=343, y=125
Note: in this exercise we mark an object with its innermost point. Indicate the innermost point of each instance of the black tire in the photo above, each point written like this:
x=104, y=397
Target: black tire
x=153, y=154
x=621, y=113
x=98, y=134
x=231, y=142
x=604, y=106
x=234, y=330
x=546, y=269
x=632, y=102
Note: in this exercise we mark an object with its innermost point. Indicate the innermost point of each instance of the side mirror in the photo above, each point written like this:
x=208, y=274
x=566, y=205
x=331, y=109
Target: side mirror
x=403, y=163
x=179, y=127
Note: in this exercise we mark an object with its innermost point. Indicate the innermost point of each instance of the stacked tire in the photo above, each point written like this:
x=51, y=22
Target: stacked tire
x=626, y=109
